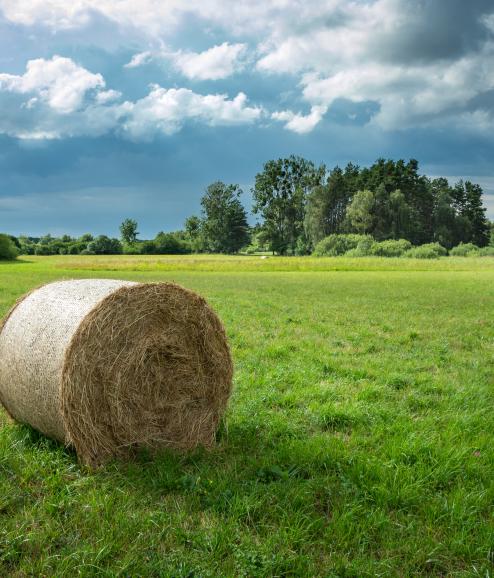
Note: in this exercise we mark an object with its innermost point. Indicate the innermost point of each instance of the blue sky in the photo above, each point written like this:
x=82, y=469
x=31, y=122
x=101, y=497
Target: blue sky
x=114, y=109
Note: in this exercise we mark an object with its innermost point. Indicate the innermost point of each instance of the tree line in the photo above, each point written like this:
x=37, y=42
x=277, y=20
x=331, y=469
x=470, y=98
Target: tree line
x=298, y=204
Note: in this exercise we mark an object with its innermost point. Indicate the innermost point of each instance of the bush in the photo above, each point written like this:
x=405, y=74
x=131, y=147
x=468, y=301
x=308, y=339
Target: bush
x=335, y=245
x=303, y=246
x=363, y=248
x=27, y=246
x=147, y=248
x=464, y=250
x=76, y=248
x=250, y=250
x=8, y=250
x=45, y=249
x=390, y=248
x=428, y=251
x=170, y=244
x=103, y=245
x=486, y=252
x=16, y=242
x=132, y=248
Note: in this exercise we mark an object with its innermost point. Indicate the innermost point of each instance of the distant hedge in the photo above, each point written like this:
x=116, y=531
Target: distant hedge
x=427, y=251
x=464, y=250
x=352, y=245
x=335, y=245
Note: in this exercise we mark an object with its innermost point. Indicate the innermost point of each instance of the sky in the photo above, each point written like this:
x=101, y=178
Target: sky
x=130, y=108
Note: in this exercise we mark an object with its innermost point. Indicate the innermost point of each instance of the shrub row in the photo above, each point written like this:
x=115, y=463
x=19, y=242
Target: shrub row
x=365, y=246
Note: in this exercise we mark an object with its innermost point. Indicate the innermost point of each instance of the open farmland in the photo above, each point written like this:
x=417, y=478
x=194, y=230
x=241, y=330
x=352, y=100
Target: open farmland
x=358, y=441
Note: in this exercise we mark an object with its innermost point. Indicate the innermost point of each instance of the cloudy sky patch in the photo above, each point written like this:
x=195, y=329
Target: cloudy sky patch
x=215, y=89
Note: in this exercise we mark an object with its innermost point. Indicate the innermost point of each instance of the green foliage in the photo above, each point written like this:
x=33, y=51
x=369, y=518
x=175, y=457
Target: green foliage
x=486, y=252
x=174, y=243
x=360, y=212
x=393, y=201
x=128, y=231
x=16, y=242
x=76, y=248
x=194, y=234
x=103, y=245
x=8, y=249
x=389, y=201
x=426, y=251
x=26, y=245
x=464, y=250
x=363, y=248
x=335, y=245
x=171, y=244
x=146, y=248
x=279, y=194
x=224, y=227
x=48, y=245
x=303, y=246
x=132, y=249
x=325, y=211
x=259, y=243
x=48, y=248
x=475, y=213
x=390, y=248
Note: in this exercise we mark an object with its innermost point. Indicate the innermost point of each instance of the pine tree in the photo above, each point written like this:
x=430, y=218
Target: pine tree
x=475, y=213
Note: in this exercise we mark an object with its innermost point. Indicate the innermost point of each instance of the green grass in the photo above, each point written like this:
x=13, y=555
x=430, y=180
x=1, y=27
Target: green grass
x=358, y=441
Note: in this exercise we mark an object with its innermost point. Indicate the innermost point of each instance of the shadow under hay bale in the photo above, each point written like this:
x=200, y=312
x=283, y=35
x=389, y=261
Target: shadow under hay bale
x=107, y=366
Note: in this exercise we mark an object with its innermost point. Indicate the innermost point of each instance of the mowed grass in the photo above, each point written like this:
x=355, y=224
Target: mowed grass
x=358, y=441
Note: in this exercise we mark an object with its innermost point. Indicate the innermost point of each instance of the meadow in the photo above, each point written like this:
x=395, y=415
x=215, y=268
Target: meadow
x=358, y=441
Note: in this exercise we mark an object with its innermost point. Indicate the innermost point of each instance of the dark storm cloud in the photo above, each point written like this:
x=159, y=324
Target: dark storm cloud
x=435, y=30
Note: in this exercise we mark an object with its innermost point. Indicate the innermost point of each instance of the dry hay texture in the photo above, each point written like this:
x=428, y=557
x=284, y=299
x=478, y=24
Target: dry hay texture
x=108, y=366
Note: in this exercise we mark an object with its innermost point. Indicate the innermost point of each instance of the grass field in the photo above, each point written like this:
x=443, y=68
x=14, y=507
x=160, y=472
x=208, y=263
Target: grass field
x=358, y=441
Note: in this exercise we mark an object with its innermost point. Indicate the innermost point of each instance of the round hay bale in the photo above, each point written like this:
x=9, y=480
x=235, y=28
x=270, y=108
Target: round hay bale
x=107, y=366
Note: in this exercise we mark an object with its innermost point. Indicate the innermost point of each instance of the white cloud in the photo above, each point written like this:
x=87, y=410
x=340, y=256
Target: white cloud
x=57, y=98
x=60, y=82
x=213, y=64
x=218, y=62
x=148, y=15
x=166, y=110
x=300, y=123
x=408, y=96
x=139, y=59
x=420, y=62
x=106, y=96
x=156, y=18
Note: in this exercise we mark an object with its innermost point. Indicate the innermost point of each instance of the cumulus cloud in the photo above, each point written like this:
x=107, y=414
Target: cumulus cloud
x=421, y=62
x=166, y=110
x=408, y=96
x=105, y=96
x=59, y=81
x=57, y=98
x=300, y=123
x=215, y=63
